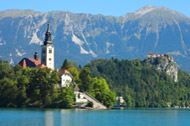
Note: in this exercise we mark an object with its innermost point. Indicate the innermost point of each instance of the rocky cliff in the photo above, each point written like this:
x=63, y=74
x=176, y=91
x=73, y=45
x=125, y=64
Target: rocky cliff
x=165, y=63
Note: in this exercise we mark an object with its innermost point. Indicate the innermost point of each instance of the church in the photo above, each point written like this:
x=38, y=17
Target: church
x=47, y=60
x=47, y=50
x=47, y=55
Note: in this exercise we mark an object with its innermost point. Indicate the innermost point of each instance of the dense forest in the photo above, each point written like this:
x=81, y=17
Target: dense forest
x=141, y=84
x=31, y=87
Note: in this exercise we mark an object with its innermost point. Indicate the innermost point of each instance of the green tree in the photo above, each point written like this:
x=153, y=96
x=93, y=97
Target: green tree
x=100, y=89
x=7, y=93
x=140, y=83
x=22, y=83
x=6, y=71
x=129, y=101
x=66, y=65
x=85, y=79
x=41, y=89
x=65, y=98
x=75, y=73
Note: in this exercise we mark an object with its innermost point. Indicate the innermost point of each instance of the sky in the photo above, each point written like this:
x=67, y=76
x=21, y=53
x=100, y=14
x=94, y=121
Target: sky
x=105, y=7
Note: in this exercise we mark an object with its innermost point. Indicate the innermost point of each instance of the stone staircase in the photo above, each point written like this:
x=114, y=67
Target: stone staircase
x=96, y=103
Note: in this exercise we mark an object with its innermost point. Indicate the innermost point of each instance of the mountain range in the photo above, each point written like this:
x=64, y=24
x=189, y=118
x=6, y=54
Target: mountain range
x=83, y=37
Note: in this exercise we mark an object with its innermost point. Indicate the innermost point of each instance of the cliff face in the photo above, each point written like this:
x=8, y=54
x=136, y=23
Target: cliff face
x=165, y=63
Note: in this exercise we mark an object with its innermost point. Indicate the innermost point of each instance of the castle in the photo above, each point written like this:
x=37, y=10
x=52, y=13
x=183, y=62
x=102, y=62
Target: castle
x=164, y=62
x=152, y=55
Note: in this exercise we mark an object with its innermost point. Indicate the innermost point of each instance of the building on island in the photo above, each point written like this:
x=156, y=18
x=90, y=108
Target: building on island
x=32, y=62
x=65, y=78
x=47, y=49
x=47, y=60
x=47, y=55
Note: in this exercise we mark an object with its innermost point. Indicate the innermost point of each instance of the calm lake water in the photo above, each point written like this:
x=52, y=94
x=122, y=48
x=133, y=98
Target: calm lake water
x=62, y=117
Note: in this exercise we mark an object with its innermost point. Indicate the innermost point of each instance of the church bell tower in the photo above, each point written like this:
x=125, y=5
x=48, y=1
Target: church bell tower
x=47, y=49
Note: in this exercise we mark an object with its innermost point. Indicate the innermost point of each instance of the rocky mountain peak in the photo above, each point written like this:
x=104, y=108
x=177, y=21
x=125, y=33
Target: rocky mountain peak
x=17, y=13
x=160, y=12
x=145, y=9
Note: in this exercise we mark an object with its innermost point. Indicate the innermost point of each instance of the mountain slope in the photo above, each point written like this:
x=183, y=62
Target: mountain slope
x=83, y=37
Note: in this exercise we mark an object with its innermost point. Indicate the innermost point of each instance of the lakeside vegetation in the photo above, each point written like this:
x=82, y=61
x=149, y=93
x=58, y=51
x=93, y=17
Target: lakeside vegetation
x=95, y=86
x=141, y=84
x=31, y=87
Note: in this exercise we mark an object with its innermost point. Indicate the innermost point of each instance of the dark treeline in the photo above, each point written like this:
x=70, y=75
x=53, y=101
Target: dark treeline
x=31, y=87
x=141, y=84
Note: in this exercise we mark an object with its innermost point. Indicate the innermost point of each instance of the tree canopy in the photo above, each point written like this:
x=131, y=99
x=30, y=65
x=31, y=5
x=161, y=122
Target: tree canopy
x=31, y=87
x=141, y=84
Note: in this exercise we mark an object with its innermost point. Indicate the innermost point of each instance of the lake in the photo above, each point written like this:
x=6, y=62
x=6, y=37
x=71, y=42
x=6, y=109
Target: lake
x=77, y=117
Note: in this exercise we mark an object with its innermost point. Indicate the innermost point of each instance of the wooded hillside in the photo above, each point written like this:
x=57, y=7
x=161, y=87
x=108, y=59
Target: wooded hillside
x=141, y=84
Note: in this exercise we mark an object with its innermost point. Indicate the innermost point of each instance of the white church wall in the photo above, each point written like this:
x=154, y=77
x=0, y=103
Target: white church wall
x=50, y=56
x=65, y=80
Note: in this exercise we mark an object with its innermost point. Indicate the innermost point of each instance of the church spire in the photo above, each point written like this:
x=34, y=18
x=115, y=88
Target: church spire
x=47, y=36
x=47, y=49
x=48, y=28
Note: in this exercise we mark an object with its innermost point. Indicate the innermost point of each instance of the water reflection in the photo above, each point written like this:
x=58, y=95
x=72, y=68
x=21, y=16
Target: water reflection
x=110, y=118
x=49, y=118
x=61, y=117
x=172, y=118
x=65, y=120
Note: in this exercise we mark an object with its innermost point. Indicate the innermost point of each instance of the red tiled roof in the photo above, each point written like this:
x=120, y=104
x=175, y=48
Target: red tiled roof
x=40, y=66
x=36, y=62
x=66, y=71
x=29, y=62
x=61, y=72
x=23, y=63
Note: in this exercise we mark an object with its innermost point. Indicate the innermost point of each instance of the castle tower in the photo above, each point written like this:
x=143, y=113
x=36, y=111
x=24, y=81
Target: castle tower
x=47, y=48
